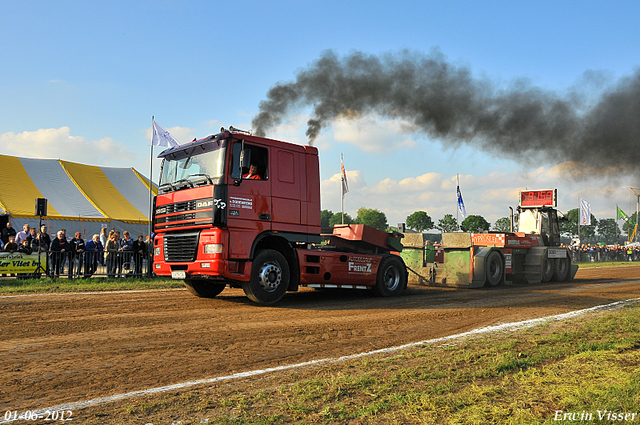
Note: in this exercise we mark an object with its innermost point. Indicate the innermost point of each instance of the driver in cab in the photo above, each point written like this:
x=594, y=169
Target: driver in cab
x=253, y=173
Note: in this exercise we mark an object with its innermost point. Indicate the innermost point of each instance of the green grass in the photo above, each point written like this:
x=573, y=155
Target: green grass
x=524, y=377
x=588, y=264
x=10, y=286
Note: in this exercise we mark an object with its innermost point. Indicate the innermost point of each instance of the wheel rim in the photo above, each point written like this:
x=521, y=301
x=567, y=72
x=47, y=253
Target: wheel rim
x=391, y=278
x=270, y=276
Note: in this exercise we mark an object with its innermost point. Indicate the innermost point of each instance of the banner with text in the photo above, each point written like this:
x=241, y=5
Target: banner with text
x=18, y=262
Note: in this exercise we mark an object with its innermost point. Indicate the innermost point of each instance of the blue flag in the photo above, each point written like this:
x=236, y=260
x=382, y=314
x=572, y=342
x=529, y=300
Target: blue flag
x=463, y=210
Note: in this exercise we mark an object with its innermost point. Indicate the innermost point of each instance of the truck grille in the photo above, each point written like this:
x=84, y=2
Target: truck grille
x=181, y=247
x=182, y=206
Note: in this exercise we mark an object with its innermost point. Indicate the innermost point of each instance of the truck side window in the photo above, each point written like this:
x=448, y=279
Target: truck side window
x=259, y=158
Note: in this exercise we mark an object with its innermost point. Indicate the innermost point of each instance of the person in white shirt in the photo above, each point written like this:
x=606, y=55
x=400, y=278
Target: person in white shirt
x=21, y=236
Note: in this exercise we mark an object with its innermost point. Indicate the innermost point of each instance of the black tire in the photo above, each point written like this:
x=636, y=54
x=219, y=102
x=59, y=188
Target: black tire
x=269, y=277
x=548, y=265
x=561, y=269
x=391, y=278
x=494, y=268
x=203, y=288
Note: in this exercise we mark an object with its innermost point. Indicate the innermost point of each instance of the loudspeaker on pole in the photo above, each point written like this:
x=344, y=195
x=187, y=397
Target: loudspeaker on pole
x=41, y=207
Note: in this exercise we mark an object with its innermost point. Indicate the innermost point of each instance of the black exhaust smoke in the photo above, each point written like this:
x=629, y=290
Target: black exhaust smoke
x=446, y=102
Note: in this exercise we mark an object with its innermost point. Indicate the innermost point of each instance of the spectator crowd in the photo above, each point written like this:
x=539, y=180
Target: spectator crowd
x=120, y=254
x=598, y=252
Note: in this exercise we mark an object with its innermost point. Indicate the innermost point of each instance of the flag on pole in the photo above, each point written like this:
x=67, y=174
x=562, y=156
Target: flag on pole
x=621, y=215
x=345, y=185
x=162, y=137
x=585, y=213
x=461, y=208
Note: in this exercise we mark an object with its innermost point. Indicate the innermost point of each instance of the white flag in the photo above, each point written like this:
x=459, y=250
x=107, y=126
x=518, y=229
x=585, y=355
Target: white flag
x=162, y=137
x=345, y=185
x=585, y=213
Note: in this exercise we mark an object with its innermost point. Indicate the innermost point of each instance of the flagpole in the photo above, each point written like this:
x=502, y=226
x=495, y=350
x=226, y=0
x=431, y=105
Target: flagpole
x=457, y=200
x=617, y=226
x=151, y=181
x=342, y=187
x=579, y=214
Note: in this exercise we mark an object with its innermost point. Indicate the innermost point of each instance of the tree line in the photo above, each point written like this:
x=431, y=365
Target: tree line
x=606, y=229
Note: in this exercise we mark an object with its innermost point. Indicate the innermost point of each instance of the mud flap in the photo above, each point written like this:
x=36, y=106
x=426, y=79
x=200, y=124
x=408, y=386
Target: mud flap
x=573, y=271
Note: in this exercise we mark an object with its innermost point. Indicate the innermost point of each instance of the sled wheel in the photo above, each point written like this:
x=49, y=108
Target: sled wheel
x=561, y=269
x=547, y=269
x=495, y=268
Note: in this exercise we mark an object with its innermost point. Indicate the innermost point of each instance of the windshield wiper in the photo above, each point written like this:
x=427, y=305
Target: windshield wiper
x=183, y=181
x=205, y=175
x=166, y=186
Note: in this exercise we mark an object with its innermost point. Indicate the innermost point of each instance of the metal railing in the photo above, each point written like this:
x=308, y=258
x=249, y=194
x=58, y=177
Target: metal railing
x=89, y=264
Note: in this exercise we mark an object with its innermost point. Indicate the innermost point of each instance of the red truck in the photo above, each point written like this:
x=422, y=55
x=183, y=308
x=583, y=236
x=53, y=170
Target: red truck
x=240, y=210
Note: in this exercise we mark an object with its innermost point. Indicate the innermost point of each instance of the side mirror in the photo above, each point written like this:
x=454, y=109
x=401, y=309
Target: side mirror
x=245, y=158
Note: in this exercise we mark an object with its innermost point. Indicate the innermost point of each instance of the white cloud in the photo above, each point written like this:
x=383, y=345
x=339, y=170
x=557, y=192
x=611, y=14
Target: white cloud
x=59, y=143
x=489, y=195
x=373, y=134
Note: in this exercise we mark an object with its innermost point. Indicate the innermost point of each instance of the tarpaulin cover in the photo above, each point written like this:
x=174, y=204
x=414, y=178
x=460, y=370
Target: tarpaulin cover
x=73, y=191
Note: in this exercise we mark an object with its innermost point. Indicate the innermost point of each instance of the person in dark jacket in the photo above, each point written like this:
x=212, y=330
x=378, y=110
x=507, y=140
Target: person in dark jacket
x=59, y=248
x=43, y=240
x=11, y=246
x=8, y=231
x=77, y=253
x=94, y=254
x=139, y=254
x=31, y=236
x=25, y=248
x=112, y=252
x=42, y=245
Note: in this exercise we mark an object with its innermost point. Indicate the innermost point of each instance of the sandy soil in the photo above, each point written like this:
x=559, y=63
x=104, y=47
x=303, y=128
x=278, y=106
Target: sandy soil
x=72, y=347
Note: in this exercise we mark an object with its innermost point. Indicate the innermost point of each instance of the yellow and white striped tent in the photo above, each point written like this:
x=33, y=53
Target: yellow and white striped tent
x=79, y=197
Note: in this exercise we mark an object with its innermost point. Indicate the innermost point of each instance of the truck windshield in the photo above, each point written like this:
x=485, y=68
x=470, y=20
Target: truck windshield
x=196, y=165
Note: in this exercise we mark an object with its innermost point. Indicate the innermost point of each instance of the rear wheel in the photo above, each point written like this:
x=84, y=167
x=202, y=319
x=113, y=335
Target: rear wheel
x=547, y=269
x=495, y=268
x=269, y=277
x=561, y=269
x=391, y=278
x=203, y=288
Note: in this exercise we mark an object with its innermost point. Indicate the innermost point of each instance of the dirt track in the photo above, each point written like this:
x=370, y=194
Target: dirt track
x=73, y=347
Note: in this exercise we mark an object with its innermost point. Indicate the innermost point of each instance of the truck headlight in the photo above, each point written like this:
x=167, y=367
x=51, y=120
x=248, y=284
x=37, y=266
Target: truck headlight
x=156, y=251
x=213, y=248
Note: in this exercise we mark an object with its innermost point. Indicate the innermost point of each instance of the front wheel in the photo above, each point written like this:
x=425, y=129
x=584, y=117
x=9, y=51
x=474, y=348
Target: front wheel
x=203, y=289
x=269, y=277
x=391, y=278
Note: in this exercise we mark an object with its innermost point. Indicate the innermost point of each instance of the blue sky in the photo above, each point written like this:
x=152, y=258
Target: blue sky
x=80, y=81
